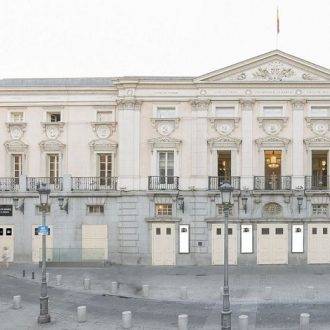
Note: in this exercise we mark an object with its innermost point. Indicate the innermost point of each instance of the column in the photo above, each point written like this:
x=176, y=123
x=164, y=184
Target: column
x=298, y=179
x=129, y=144
x=199, y=151
x=247, y=144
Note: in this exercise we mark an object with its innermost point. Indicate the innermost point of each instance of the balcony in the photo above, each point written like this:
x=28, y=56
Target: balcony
x=9, y=184
x=272, y=182
x=317, y=182
x=93, y=183
x=215, y=182
x=56, y=184
x=163, y=182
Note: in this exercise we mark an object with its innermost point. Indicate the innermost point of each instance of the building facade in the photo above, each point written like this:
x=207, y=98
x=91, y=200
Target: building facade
x=134, y=165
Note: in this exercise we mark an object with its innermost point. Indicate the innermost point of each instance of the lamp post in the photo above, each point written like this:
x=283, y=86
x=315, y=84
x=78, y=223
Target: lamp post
x=44, y=317
x=226, y=191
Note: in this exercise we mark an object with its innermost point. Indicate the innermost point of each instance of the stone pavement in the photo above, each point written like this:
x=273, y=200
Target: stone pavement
x=247, y=289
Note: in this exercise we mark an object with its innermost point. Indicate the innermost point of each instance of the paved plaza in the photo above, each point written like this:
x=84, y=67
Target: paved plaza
x=294, y=290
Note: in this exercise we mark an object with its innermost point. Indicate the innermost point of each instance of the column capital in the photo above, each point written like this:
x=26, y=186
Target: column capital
x=298, y=104
x=197, y=104
x=247, y=104
x=129, y=104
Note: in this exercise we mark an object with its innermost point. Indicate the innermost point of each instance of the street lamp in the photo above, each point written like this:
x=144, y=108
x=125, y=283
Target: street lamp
x=44, y=317
x=226, y=190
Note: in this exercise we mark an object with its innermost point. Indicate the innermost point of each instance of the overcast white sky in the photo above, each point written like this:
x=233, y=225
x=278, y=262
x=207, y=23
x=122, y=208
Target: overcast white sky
x=79, y=38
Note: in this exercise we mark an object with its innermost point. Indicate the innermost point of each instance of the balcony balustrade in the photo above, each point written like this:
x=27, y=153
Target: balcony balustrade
x=9, y=184
x=33, y=183
x=93, y=183
x=317, y=182
x=163, y=182
x=272, y=182
x=215, y=182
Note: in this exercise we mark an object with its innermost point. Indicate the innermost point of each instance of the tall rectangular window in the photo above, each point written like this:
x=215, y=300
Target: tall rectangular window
x=17, y=167
x=166, y=166
x=53, y=117
x=16, y=117
x=105, y=168
x=53, y=167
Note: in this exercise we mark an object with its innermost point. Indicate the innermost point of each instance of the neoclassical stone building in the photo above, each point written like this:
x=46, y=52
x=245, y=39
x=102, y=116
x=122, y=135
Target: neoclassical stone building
x=134, y=165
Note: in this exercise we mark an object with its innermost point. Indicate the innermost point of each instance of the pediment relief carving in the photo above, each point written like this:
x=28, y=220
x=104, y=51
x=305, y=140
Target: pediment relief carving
x=52, y=129
x=51, y=145
x=272, y=125
x=103, y=145
x=202, y=105
x=16, y=130
x=272, y=142
x=165, y=126
x=16, y=146
x=129, y=104
x=164, y=142
x=103, y=130
x=318, y=125
x=224, y=126
x=317, y=141
x=224, y=142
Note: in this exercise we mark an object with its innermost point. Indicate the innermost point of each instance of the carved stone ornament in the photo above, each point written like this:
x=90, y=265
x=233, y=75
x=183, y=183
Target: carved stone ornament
x=317, y=142
x=51, y=145
x=16, y=146
x=319, y=126
x=16, y=130
x=103, y=145
x=164, y=142
x=272, y=142
x=224, y=126
x=274, y=71
x=200, y=105
x=53, y=130
x=272, y=125
x=224, y=142
x=103, y=130
x=129, y=104
x=165, y=126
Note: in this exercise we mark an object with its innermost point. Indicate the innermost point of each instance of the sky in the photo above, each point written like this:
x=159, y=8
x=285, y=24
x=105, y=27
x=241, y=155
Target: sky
x=109, y=38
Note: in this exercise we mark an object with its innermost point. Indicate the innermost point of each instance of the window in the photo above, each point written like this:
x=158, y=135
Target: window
x=166, y=112
x=157, y=231
x=278, y=231
x=16, y=117
x=221, y=209
x=53, y=117
x=104, y=116
x=320, y=209
x=264, y=231
x=16, y=167
x=320, y=111
x=163, y=209
x=325, y=231
x=166, y=165
x=8, y=232
x=272, y=111
x=53, y=167
x=230, y=231
x=218, y=231
x=95, y=209
x=224, y=111
x=105, y=168
x=314, y=231
x=168, y=231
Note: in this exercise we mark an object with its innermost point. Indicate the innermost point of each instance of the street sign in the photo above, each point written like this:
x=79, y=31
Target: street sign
x=43, y=230
x=6, y=210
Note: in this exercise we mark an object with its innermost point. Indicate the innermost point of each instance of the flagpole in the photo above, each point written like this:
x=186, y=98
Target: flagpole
x=277, y=27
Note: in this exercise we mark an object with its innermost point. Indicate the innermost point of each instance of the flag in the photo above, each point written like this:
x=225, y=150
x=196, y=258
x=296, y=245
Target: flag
x=278, y=22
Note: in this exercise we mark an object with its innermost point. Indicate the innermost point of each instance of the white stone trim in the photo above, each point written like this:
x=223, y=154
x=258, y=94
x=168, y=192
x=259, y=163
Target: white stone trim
x=164, y=142
x=272, y=142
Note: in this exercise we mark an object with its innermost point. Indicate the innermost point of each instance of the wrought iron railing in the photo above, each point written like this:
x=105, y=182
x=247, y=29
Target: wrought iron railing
x=317, y=182
x=94, y=183
x=163, y=182
x=272, y=182
x=33, y=183
x=215, y=182
x=9, y=184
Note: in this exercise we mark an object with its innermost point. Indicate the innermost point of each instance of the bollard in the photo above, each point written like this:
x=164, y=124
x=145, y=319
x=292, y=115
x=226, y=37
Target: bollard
x=268, y=293
x=17, y=302
x=183, y=292
x=304, y=321
x=47, y=278
x=310, y=293
x=243, y=322
x=183, y=322
x=127, y=319
x=23, y=273
x=58, y=279
x=145, y=290
x=32, y=275
x=114, y=287
x=82, y=314
x=87, y=283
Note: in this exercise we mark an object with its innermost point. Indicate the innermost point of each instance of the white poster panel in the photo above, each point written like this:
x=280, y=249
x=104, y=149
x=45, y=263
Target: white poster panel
x=246, y=239
x=297, y=238
x=184, y=239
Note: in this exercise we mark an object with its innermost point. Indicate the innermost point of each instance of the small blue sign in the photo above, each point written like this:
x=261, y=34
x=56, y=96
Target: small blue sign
x=43, y=230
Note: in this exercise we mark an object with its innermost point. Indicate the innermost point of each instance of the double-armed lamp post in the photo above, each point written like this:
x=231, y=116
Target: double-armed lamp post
x=226, y=190
x=44, y=316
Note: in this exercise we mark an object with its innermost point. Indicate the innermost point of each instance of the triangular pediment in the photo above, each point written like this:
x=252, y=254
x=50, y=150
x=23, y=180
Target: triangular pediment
x=275, y=66
x=224, y=142
x=164, y=142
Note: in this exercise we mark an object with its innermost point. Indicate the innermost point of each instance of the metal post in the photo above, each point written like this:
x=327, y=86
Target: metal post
x=226, y=312
x=44, y=317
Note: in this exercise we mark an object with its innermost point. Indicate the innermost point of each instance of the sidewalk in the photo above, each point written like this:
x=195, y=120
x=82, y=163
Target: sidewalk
x=247, y=284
